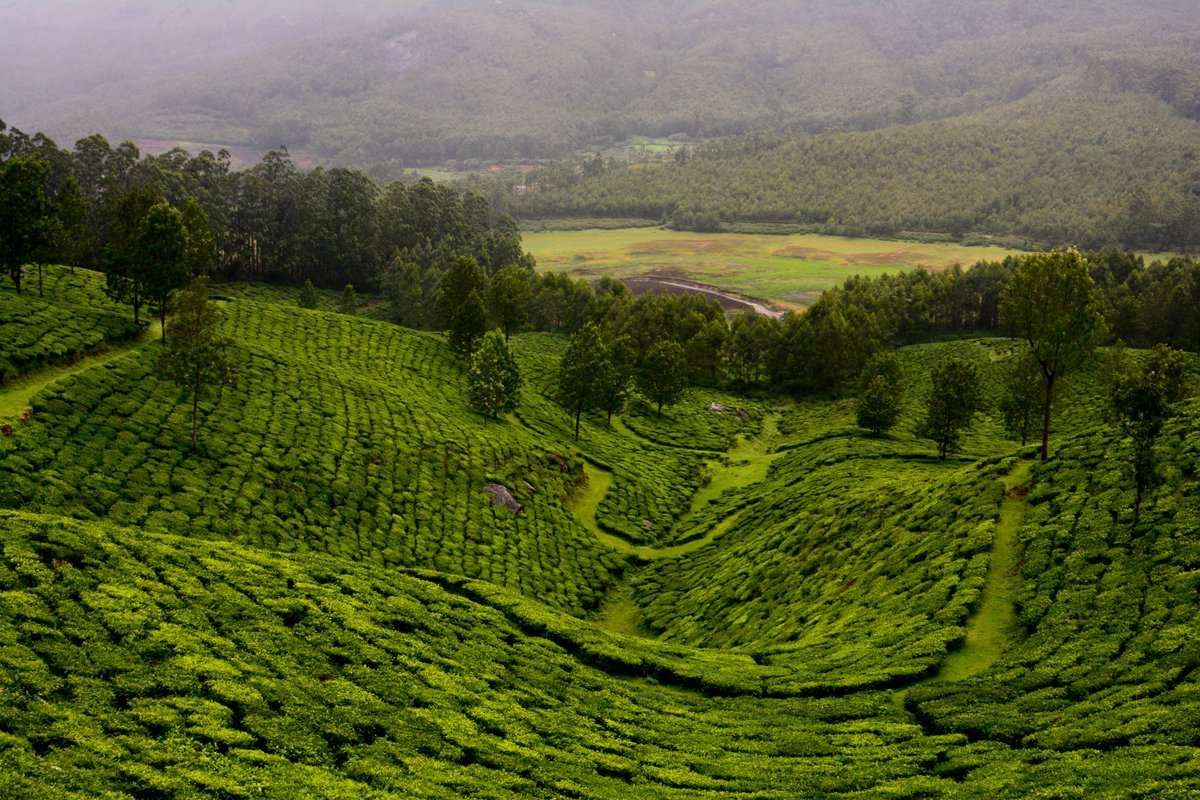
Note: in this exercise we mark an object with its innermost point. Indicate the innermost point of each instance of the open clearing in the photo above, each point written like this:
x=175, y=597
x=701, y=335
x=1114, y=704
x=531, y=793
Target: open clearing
x=790, y=271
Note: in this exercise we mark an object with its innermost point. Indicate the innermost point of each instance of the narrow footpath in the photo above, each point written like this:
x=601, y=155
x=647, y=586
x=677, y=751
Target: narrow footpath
x=15, y=397
x=994, y=624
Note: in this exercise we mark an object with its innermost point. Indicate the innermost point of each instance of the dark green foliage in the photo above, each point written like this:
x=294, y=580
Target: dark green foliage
x=462, y=278
x=880, y=393
x=128, y=265
x=494, y=380
x=348, y=302
x=954, y=398
x=751, y=339
x=163, y=242
x=661, y=375
x=1142, y=398
x=1022, y=395
x=508, y=296
x=25, y=215
x=201, y=254
x=468, y=323
x=581, y=372
x=196, y=357
x=307, y=298
x=1051, y=301
x=616, y=375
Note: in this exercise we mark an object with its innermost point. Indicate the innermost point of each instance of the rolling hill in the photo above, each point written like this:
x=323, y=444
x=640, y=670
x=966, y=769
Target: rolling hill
x=323, y=602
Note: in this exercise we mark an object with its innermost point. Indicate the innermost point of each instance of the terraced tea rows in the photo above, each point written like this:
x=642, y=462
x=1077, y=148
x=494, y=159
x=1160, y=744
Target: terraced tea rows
x=374, y=627
x=73, y=318
x=357, y=458
x=199, y=669
x=1108, y=612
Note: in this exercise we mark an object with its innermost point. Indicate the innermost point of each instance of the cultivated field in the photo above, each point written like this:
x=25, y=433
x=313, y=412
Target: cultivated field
x=790, y=271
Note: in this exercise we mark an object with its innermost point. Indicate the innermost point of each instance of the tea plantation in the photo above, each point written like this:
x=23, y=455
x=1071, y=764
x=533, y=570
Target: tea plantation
x=322, y=601
x=72, y=317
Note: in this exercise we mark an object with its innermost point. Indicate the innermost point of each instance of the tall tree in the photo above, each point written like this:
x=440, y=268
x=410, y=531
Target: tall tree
x=881, y=390
x=468, y=325
x=616, y=374
x=662, y=375
x=508, y=297
x=126, y=267
x=1022, y=395
x=1141, y=397
x=162, y=246
x=70, y=210
x=580, y=371
x=25, y=214
x=201, y=253
x=457, y=284
x=1052, y=302
x=954, y=397
x=494, y=381
x=197, y=357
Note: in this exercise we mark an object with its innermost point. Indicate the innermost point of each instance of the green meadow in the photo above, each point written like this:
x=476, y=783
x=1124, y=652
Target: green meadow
x=790, y=271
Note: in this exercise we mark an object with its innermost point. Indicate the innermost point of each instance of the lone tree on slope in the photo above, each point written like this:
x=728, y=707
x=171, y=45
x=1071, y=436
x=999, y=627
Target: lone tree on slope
x=196, y=357
x=494, y=382
x=954, y=397
x=1053, y=304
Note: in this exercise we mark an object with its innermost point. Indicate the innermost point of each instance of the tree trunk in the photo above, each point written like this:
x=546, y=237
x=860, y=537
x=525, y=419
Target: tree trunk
x=578, y=414
x=40, y=293
x=1137, y=504
x=195, y=416
x=1046, y=418
x=162, y=319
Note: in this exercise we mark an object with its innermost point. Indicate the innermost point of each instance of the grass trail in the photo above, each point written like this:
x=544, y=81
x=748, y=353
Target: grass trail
x=749, y=461
x=15, y=397
x=991, y=628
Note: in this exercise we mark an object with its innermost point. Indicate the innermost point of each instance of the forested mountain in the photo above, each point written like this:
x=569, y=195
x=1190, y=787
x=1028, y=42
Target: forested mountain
x=529, y=79
x=1069, y=164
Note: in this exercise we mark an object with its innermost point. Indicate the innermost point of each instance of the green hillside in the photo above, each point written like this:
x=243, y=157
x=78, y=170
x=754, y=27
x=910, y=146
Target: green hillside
x=1071, y=163
x=322, y=601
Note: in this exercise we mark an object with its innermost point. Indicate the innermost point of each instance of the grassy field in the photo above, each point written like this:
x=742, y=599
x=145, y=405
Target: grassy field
x=790, y=271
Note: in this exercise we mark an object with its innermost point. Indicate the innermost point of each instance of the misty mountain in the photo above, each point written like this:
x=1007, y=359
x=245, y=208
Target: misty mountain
x=379, y=83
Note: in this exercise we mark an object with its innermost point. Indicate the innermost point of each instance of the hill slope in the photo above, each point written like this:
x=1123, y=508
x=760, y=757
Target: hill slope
x=414, y=641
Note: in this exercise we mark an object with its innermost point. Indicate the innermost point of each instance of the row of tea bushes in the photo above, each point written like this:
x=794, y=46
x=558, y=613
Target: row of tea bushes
x=138, y=665
x=305, y=456
x=135, y=665
x=855, y=563
x=73, y=318
x=1108, y=611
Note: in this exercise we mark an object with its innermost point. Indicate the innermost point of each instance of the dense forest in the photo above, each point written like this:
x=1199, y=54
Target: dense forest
x=1090, y=169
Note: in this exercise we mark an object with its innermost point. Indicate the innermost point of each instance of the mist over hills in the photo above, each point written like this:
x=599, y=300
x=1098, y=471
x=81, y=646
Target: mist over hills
x=522, y=79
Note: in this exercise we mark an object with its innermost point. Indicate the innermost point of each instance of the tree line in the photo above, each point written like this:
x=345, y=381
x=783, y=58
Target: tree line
x=273, y=222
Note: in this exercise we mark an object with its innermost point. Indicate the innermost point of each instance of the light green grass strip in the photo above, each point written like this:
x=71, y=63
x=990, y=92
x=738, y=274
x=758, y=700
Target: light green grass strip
x=750, y=461
x=994, y=624
x=15, y=397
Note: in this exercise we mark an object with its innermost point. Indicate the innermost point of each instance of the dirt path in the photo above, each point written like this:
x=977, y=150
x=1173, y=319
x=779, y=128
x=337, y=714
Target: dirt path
x=15, y=397
x=728, y=301
x=993, y=625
